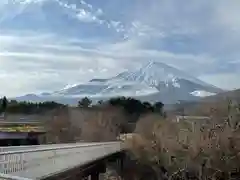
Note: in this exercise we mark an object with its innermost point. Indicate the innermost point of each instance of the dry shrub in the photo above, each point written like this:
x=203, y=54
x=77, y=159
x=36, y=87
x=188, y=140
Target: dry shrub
x=84, y=124
x=146, y=123
x=185, y=150
x=59, y=127
x=103, y=124
x=208, y=108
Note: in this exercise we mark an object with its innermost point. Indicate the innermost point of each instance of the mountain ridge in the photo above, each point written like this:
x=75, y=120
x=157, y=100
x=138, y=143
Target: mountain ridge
x=154, y=81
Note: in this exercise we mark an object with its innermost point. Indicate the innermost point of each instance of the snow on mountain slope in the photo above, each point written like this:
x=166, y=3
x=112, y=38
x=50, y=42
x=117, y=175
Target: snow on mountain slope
x=202, y=93
x=107, y=89
x=154, y=73
x=152, y=82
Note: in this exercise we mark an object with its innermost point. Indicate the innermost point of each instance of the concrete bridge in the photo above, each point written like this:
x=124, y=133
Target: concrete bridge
x=58, y=161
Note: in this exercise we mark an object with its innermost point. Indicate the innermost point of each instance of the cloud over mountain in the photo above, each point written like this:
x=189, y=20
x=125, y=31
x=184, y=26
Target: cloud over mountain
x=51, y=43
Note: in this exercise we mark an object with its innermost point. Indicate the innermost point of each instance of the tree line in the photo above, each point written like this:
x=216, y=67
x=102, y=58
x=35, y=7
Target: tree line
x=130, y=105
x=15, y=107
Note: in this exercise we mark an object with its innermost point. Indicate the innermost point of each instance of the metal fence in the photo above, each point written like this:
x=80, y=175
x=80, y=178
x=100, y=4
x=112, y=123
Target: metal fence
x=35, y=163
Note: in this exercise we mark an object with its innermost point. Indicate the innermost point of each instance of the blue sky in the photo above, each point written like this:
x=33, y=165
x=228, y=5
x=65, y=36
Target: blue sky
x=47, y=44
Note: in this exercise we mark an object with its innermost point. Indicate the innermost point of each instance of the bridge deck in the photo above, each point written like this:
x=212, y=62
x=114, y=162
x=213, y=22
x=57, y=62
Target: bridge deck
x=36, y=162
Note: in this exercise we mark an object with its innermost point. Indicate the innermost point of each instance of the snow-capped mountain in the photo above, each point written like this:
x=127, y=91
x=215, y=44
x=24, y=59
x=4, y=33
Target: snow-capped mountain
x=154, y=73
x=152, y=82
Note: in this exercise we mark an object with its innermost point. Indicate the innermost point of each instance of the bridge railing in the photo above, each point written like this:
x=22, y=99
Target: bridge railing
x=32, y=147
x=10, y=177
x=46, y=161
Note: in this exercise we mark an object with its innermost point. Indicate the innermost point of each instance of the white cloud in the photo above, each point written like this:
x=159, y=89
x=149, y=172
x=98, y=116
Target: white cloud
x=34, y=70
x=85, y=16
x=227, y=14
x=226, y=81
x=85, y=13
x=141, y=29
x=82, y=14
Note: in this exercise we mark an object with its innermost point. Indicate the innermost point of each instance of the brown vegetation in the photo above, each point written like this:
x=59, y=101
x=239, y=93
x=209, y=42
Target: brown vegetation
x=161, y=148
x=187, y=151
x=103, y=124
x=59, y=127
x=85, y=124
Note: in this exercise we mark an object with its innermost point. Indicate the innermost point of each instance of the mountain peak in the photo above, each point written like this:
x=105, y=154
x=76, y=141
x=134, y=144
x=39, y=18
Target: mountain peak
x=153, y=63
x=150, y=63
x=155, y=72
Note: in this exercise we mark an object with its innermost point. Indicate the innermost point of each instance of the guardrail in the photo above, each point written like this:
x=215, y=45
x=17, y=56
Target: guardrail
x=39, y=162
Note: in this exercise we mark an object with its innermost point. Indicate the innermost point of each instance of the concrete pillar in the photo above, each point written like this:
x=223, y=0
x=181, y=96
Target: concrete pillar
x=121, y=164
x=95, y=176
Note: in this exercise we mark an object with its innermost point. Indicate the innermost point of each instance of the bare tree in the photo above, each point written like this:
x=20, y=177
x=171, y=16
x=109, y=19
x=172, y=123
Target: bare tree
x=59, y=127
x=103, y=124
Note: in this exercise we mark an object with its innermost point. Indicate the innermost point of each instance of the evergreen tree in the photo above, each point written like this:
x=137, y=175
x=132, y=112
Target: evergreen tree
x=85, y=102
x=158, y=107
x=4, y=104
x=100, y=102
x=134, y=106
